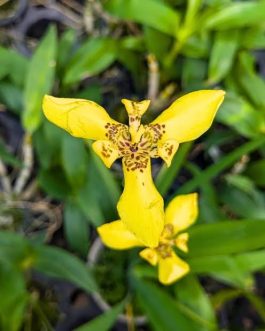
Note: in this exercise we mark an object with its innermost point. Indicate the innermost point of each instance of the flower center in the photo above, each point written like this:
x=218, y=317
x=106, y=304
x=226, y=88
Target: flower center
x=166, y=242
x=135, y=153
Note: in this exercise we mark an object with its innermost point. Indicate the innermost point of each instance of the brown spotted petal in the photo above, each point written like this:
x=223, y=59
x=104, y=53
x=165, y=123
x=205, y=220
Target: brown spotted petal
x=167, y=150
x=107, y=151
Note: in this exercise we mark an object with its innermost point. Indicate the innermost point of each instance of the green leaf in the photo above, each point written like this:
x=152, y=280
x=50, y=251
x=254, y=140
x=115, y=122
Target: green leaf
x=151, y=36
x=249, y=204
x=191, y=294
x=237, y=15
x=13, y=65
x=163, y=312
x=222, y=55
x=251, y=83
x=54, y=182
x=100, y=182
x=15, y=250
x=167, y=175
x=151, y=13
x=93, y=57
x=256, y=171
x=223, y=163
x=252, y=261
x=227, y=237
x=223, y=268
x=193, y=74
x=58, y=263
x=13, y=298
x=74, y=160
x=11, y=97
x=197, y=46
x=39, y=80
x=254, y=38
x=65, y=48
x=103, y=322
x=239, y=114
x=76, y=229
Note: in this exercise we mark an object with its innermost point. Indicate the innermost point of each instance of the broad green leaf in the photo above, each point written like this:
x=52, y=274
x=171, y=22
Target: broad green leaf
x=222, y=55
x=13, y=298
x=39, y=80
x=58, y=263
x=208, y=202
x=92, y=92
x=224, y=268
x=256, y=171
x=246, y=262
x=167, y=175
x=65, y=48
x=151, y=13
x=237, y=15
x=76, y=228
x=223, y=163
x=252, y=261
x=228, y=237
x=197, y=46
x=54, y=182
x=47, y=141
x=251, y=83
x=191, y=294
x=93, y=57
x=11, y=96
x=15, y=250
x=254, y=38
x=241, y=115
x=193, y=74
x=249, y=204
x=163, y=312
x=13, y=65
x=100, y=182
x=103, y=322
x=133, y=62
x=151, y=36
x=74, y=160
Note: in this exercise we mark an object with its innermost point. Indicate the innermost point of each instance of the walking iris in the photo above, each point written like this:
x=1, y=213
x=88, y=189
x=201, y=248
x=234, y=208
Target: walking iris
x=140, y=206
x=181, y=213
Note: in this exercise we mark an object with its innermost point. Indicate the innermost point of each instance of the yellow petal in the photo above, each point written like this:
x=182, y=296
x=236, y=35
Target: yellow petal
x=182, y=211
x=136, y=108
x=191, y=115
x=141, y=206
x=106, y=151
x=150, y=255
x=116, y=235
x=81, y=118
x=182, y=242
x=172, y=268
x=167, y=150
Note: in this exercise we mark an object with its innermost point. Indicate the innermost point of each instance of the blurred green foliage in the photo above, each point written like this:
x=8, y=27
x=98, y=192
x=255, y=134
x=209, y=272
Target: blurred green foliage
x=196, y=44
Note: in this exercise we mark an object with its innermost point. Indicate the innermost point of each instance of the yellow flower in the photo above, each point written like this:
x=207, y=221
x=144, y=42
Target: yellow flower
x=140, y=205
x=181, y=213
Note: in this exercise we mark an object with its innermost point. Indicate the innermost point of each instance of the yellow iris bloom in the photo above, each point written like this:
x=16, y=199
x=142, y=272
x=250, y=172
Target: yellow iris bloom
x=140, y=206
x=181, y=213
